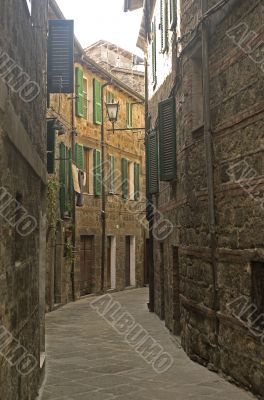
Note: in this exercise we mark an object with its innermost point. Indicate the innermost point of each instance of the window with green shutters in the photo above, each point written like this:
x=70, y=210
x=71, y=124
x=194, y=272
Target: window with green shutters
x=129, y=115
x=51, y=146
x=97, y=104
x=167, y=139
x=97, y=172
x=154, y=52
x=79, y=92
x=112, y=174
x=62, y=179
x=70, y=180
x=136, y=181
x=152, y=162
x=124, y=177
x=164, y=25
x=79, y=156
x=109, y=97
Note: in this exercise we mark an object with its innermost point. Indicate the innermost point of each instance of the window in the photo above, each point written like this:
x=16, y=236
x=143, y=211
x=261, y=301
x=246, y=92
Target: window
x=167, y=139
x=129, y=115
x=85, y=98
x=136, y=181
x=154, y=53
x=130, y=180
x=197, y=90
x=97, y=102
x=88, y=166
x=79, y=80
x=152, y=162
x=111, y=174
x=124, y=175
x=164, y=25
x=258, y=293
x=109, y=97
x=97, y=172
x=66, y=186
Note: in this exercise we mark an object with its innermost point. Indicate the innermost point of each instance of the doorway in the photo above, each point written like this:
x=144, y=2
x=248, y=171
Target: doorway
x=162, y=282
x=130, y=261
x=111, y=263
x=86, y=264
x=176, y=290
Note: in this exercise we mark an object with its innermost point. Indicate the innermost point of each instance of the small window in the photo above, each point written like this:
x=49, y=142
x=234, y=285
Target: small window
x=88, y=161
x=257, y=294
x=197, y=90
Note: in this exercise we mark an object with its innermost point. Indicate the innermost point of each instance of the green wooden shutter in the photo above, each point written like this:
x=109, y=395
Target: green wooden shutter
x=51, y=147
x=112, y=174
x=167, y=139
x=62, y=179
x=152, y=163
x=97, y=102
x=124, y=172
x=79, y=92
x=154, y=53
x=97, y=172
x=70, y=182
x=79, y=156
x=136, y=181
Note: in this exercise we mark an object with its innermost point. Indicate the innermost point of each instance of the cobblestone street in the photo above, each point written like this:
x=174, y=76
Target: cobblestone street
x=88, y=359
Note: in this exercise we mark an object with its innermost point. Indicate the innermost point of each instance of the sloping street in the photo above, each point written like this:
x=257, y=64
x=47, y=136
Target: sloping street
x=88, y=359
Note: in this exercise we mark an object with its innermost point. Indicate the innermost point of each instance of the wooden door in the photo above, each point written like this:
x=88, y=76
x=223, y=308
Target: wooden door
x=176, y=290
x=127, y=261
x=162, y=282
x=86, y=264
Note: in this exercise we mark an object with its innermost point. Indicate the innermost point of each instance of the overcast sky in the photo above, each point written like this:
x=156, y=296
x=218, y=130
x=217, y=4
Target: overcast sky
x=103, y=19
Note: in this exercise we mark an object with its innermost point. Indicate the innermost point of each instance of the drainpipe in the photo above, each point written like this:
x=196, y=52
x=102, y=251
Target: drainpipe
x=209, y=150
x=73, y=200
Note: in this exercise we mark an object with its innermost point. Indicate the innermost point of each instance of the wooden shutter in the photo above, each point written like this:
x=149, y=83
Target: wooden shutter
x=79, y=156
x=70, y=180
x=136, y=181
x=97, y=102
x=97, y=172
x=79, y=92
x=152, y=162
x=51, y=147
x=173, y=13
x=112, y=174
x=167, y=139
x=62, y=179
x=154, y=53
x=60, y=56
x=124, y=172
x=164, y=25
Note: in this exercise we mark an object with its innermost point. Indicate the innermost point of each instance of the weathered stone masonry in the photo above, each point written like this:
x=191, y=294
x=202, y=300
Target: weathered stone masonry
x=23, y=175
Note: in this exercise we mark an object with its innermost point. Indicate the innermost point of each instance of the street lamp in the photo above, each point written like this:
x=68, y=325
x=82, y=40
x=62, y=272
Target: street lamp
x=112, y=112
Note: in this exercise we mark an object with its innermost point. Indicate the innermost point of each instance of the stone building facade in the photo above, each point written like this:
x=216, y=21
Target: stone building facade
x=127, y=67
x=125, y=203
x=208, y=274
x=22, y=196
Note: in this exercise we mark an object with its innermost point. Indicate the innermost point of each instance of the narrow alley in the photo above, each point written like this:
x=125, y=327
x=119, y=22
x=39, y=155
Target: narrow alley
x=88, y=360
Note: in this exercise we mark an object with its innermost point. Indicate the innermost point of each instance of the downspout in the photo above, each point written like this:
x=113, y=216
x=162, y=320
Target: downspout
x=209, y=151
x=73, y=199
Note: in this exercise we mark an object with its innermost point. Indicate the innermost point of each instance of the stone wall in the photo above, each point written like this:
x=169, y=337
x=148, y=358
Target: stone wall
x=213, y=336
x=23, y=175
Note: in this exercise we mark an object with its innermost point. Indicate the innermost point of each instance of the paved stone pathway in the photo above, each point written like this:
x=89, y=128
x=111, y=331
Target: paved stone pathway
x=89, y=360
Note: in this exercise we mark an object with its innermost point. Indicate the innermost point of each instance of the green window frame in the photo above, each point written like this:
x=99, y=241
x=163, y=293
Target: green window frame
x=124, y=176
x=152, y=162
x=97, y=103
x=129, y=115
x=79, y=156
x=79, y=92
x=167, y=139
x=97, y=167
